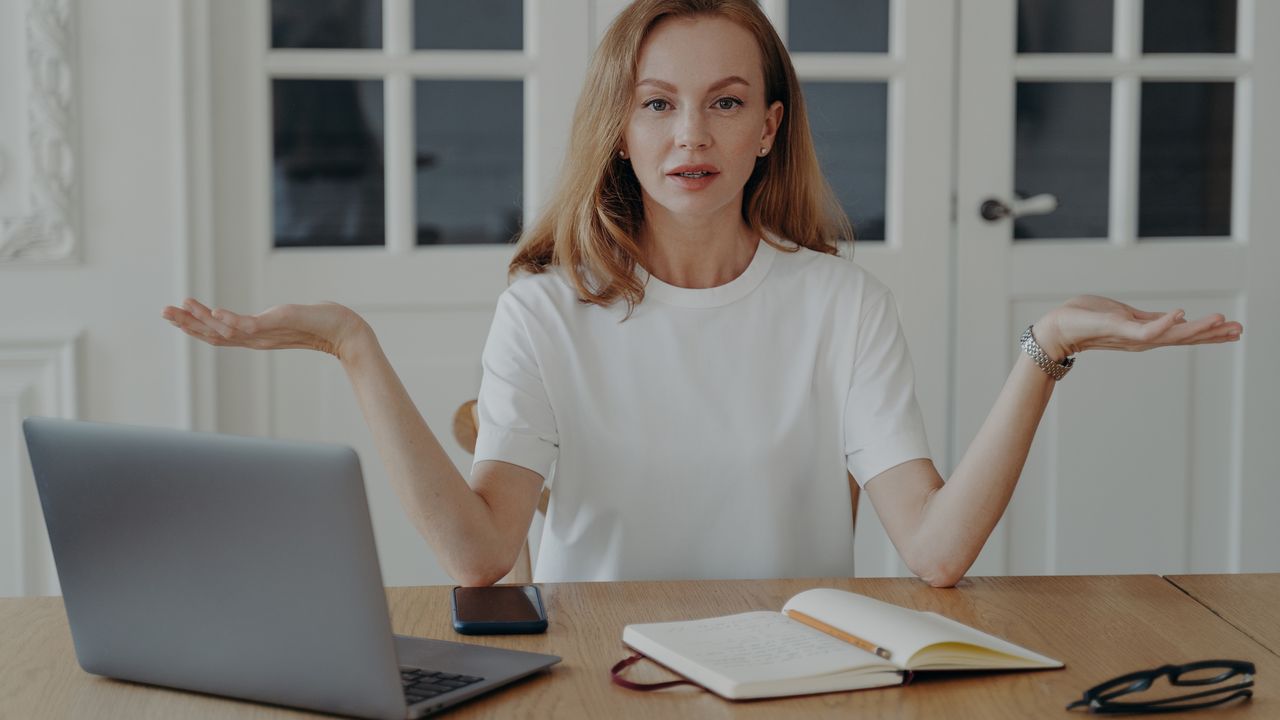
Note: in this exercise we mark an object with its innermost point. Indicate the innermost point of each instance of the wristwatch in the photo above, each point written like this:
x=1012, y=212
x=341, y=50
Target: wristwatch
x=1055, y=370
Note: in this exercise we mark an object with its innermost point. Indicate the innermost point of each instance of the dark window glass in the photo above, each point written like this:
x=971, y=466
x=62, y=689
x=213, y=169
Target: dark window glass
x=468, y=24
x=470, y=174
x=1189, y=26
x=849, y=121
x=326, y=24
x=327, y=176
x=1184, y=169
x=1063, y=147
x=1064, y=26
x=838, y=26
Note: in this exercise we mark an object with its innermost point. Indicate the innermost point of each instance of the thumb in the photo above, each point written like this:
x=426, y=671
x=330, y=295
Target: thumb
x=1160, y=326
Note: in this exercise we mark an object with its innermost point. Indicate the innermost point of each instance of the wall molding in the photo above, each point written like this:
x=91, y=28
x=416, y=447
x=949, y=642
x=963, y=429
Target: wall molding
x=48, y=231
x=38, y=376
x=194, y=168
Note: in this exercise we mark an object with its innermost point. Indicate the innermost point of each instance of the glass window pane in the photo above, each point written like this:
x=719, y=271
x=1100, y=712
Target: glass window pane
x=838, y=26
x=1063, y=147
x=327, y=175
x=1184, y=168
x=1189, y=26
x=1064, y=26
x=326, y=24
x=849, y=122
x=470, y=144
x=468, y=24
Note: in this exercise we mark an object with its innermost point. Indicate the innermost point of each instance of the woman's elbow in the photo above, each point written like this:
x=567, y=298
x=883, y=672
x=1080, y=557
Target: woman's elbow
x=480, y=574
x=939, y=572
x=942, y=579
x=478, y=578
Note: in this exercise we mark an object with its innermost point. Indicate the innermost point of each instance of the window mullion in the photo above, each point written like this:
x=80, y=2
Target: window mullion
x=1126, y=94
x=397, y=27
x=399, y=180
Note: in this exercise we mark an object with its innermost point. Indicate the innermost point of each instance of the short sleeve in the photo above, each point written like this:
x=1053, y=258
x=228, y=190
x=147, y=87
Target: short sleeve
x=517, y=424
x=882, y=419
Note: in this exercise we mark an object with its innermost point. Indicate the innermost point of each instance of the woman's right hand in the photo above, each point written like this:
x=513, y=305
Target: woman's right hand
x=328, y=327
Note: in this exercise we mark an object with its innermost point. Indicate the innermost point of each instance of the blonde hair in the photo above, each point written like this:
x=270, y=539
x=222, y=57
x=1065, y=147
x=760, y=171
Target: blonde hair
x=592, y=222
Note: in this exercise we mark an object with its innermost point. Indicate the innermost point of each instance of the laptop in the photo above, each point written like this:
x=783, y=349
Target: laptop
x=238, y=566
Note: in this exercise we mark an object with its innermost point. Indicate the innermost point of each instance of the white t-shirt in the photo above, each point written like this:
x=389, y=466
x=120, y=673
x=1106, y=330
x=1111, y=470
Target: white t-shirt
x=708, y=435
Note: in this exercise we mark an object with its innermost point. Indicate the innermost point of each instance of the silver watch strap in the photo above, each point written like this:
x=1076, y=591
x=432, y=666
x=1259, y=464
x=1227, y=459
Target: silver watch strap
x=1055, y=370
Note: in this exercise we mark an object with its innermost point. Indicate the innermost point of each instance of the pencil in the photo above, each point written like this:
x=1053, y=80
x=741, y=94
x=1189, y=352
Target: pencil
x=854, y=640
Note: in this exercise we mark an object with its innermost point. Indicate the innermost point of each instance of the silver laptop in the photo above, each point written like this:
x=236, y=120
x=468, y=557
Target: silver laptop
x=238, y=566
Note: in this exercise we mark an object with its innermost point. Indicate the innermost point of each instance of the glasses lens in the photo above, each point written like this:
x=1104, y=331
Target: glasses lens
x=1205, y=675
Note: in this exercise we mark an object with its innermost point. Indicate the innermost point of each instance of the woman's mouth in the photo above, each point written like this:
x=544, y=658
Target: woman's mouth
x=693, y=177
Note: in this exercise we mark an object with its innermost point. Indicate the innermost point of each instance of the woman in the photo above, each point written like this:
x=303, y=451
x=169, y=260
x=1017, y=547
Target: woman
x=684, y=359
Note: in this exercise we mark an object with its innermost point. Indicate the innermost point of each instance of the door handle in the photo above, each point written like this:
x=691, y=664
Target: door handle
x=994, y=209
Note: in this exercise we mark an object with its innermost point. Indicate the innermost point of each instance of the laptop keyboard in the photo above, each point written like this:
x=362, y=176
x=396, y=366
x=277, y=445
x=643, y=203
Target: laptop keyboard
x=422, y=684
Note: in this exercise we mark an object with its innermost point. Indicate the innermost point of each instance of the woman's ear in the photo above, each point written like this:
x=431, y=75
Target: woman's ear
x=772, y=121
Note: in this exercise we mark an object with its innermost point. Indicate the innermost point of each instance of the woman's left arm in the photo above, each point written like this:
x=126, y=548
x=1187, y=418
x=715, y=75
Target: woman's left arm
x=938, y=527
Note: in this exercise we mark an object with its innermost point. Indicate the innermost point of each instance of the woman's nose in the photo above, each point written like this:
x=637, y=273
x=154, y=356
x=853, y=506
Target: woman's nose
x=692, y=132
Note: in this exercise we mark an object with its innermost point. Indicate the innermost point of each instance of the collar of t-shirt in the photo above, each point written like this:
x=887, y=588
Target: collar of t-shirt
x=732, y=291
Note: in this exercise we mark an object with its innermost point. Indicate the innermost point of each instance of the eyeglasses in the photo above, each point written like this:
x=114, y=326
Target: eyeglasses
x=1101, y=698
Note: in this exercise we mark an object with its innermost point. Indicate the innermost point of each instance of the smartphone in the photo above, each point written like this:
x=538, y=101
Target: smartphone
x=498, y=610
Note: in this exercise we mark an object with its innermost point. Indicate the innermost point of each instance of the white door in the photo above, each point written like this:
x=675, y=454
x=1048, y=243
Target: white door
x=878, y=78
x=1154, y=126
x=380, y=154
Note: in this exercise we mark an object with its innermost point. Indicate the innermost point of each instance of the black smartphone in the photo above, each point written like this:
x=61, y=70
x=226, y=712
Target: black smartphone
x=498, y=610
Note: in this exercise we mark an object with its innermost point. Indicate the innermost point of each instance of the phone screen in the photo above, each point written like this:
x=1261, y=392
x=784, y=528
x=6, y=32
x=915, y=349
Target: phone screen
x=497, y=604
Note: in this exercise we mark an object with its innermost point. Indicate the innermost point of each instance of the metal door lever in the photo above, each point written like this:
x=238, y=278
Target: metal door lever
x=993, y=209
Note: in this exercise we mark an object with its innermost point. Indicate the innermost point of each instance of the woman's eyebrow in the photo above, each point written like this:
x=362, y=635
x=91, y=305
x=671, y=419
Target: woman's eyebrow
x=731, y=80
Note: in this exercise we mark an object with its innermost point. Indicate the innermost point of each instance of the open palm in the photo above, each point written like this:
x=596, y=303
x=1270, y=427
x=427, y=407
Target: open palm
x=313, y=327
x=1088, y=322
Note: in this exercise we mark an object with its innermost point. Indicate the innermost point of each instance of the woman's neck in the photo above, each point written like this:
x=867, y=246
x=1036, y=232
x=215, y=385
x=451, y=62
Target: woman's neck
x=699, y=252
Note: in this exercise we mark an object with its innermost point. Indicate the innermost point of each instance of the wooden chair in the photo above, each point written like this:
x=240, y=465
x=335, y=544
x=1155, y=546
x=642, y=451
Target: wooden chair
x=466, y=424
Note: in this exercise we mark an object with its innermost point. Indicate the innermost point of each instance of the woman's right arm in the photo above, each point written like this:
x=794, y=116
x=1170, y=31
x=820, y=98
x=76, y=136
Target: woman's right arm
x=476, y=530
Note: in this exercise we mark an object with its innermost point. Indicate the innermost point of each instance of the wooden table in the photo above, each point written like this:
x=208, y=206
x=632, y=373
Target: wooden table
x=1099, y=626
x=1249, y=602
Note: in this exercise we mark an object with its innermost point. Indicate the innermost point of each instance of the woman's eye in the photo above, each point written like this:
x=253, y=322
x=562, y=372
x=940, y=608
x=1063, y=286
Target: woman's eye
x=656, y=104
x=728, y=103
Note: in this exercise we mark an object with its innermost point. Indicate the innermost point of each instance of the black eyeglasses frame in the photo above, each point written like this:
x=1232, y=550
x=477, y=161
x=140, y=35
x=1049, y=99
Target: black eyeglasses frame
x=1100, y=698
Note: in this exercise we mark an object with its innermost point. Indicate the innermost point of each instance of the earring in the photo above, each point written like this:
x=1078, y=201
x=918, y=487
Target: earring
x=764, y=151
x=622, y=154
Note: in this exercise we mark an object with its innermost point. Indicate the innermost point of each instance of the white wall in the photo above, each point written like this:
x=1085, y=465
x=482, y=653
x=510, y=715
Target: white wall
x=127, y=64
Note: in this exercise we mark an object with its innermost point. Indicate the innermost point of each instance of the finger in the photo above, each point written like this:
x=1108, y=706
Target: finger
x=205, y=315
x=1212, y=324
x=1215, y=340
x=182, y=319
x=1212, y=333
x=239, y=323
x=204, y=335
x=1154, y=330
x=1194, y=330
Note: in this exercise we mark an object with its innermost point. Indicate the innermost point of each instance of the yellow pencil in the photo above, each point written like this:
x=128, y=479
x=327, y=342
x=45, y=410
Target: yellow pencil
x=817, y=624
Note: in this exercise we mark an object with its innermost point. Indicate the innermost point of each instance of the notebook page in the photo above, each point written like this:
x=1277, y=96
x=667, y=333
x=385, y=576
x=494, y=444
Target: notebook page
x=748, y=647
x=958, y=632
x=902, y=631
x=896, y=629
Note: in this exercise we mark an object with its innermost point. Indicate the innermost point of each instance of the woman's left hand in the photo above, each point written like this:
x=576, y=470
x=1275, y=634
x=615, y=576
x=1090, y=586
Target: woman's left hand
x=1087, y=322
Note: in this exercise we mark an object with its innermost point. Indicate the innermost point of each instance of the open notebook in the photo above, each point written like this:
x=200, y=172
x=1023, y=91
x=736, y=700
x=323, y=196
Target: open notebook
x=769, y=654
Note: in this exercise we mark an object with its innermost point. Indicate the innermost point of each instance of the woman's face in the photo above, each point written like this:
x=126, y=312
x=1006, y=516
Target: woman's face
x=698, y=119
